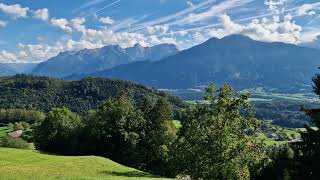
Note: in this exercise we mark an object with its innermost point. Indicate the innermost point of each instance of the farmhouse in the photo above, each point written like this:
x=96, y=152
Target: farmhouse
x=15, y=134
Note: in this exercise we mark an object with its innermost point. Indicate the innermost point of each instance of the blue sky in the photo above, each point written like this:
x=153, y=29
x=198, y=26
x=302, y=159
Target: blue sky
x=33, y=31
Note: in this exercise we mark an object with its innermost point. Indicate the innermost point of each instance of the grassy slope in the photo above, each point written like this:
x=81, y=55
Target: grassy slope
x=4, y=131
x=27, y=164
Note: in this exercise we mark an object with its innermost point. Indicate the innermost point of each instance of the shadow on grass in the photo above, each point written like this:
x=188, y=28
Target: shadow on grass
x=129, y=174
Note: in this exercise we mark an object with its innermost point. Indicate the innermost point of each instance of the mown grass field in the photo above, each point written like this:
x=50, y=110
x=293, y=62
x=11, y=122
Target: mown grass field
x=31, y=165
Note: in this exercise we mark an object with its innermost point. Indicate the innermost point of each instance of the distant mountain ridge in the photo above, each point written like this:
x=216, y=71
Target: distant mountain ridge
x=88, y=61
x=8, y=69
x=237, y=60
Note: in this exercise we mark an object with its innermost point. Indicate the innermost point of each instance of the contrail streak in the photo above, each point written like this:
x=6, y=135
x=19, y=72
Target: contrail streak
x=109, y=5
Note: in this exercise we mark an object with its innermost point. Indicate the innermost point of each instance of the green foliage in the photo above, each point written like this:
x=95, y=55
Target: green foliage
x=20, y=115
x=160, y=133
x=25, y=125
x=281, y=164
x=58, y=132
x=116, y=127
x=308, y=150
x=138, y=137
x=17, y=126
x=10, y=142
x=41, y=93
x=213, y=143
x=284, y=112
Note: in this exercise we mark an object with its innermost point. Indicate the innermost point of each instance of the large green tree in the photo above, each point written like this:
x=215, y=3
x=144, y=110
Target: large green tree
x=214, y=141
x=115, y=130
x=139, y=137
x=58, y=132
x=160, y=133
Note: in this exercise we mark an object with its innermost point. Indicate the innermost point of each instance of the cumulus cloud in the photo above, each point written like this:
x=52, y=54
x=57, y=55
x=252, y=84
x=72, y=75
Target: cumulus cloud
x=42, y=14
x=6, y=57
x=62, y=24
x=15, y=11
x=106, y=20
x=265, y=29
x=77, y=24
x=3, y=23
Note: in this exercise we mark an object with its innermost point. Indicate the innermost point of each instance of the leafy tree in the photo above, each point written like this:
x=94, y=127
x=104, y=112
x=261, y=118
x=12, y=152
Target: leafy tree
x=58, y=132
x=160, y=134
x=135, y=136
x=213, y=143
x=115, y=129
x=308, y=150
x=281, y=165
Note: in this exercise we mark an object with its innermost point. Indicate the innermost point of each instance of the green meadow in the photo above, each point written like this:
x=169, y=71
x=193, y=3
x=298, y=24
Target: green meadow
x=32, y=165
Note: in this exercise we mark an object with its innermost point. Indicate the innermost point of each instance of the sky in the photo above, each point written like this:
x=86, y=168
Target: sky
x=34, y=31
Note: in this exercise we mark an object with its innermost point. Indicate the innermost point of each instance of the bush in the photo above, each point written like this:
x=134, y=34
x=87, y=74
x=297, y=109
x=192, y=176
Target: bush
x=17, y=126
x=18, y=143
x=25, y=125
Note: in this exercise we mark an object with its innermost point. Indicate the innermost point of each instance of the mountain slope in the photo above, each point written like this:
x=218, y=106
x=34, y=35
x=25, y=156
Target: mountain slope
x=41, y=93
x=237, y=60
x=92, y=60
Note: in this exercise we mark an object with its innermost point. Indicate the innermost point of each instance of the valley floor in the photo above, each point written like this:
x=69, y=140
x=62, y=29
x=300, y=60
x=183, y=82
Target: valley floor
x=28, y=164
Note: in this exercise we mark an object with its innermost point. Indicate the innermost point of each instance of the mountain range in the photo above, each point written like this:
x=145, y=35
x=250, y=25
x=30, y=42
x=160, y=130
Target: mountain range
x=8, y=69
x=88, y=61
x=236, y=60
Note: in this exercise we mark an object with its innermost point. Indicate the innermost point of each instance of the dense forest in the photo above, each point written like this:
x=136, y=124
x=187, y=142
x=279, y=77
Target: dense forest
x=43, y=94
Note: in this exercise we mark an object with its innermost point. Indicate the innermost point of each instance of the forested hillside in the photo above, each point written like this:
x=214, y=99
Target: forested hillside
x=42, y=93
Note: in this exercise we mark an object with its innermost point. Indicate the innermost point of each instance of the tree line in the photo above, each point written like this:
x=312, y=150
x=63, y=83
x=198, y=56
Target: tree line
x=214, y=141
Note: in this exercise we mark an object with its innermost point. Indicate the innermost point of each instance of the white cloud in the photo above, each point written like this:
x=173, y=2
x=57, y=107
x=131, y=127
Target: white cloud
x=89, y=39
x=190, y=4
x=212, y=12
x=15, y=11
x=173, y=17
x=62, y=24
x=77, y=24
x=3, y=23
x=307, y=9
x=6, y=57
x=265, y=29
x=106, y=20
x=161, y=29
x=42, y=14
x=275, y=6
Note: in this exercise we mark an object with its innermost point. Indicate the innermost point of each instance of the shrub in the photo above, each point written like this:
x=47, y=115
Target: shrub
x=25, y=125
x=18, y=143
x=17, y=126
